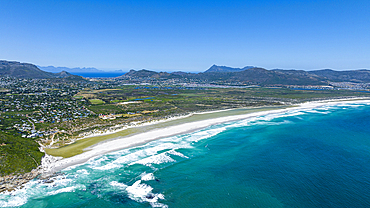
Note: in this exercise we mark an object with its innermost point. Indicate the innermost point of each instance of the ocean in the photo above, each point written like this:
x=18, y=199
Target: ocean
x=301, y=158
x=99, y=75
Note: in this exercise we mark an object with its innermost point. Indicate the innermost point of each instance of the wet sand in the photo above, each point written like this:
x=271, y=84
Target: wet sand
x=143, y=134
x=79, y=146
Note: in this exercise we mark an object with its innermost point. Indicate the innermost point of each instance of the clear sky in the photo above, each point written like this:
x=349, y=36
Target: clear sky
x=187, y=35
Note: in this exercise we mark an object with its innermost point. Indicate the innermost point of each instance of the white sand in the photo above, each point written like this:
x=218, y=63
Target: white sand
x=133, y=140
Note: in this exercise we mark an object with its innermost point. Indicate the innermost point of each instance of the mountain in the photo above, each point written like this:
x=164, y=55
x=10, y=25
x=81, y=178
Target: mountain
x=253, y=75
x=152, y=74
x=141, y=73
x=215, y=74
x=62, y=74
x=22, y=70
x=70, y=70
x=259, y=76
x=264, y=77
x=215, y=68
x=26, y=70
x=344, y=76
x=293, y=77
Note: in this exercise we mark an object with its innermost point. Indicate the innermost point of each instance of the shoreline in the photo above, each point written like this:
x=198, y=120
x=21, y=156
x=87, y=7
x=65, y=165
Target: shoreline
x=80, y=145
x=53, y=164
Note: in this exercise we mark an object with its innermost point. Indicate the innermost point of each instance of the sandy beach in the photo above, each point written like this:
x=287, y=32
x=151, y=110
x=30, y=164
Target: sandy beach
x=190, y=124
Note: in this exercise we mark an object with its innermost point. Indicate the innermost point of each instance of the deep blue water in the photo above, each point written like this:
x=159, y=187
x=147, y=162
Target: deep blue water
x=308, y=158
x=99, y=75
x=308, y=89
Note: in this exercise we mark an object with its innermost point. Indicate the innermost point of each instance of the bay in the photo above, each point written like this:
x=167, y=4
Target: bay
x=301, y=158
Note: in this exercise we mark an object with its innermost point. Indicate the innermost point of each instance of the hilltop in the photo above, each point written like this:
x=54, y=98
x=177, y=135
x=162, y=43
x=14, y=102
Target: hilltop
x=259, y=76
x=56, y=109
x=71, y=70
x=215, y=68
x=30, y=71
x=22, y=70
x=248, y=75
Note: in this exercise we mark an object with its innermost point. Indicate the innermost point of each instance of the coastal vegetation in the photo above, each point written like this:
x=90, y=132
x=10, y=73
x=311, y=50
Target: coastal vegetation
x=52, y=113
x=18, y=155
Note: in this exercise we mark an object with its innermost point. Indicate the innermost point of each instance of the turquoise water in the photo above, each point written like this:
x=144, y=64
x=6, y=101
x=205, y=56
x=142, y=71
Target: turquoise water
x=97, y=75
x=308, y=158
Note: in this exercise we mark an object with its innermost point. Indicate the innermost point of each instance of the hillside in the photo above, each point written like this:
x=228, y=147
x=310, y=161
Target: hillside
x=258, y=76
x=216, y=68
x=215, y=74
x=152, y=74
x=54, y=69
x=344, y=76
x=22, y=70
x=26, y=70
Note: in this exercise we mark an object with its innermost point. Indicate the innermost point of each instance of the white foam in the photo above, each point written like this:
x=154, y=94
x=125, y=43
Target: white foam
x=36, y=189
x=62, y=181
x=83, y=171
x=145, y=151
x=140, y=192
x=62, y=190
x=108, y=166
x=125, y=142
x=116, y=184
x=147, y=176
x=173, y=152
x=204, y=134
x=155, y=159
x=14, y=201
x=148, y=154
x=94, y=162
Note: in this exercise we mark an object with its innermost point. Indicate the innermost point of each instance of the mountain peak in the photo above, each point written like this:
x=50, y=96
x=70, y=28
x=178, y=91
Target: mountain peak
x=215, y=68
x=54, y=69
x=30, y=71
x=62, y=74
x=22, y=70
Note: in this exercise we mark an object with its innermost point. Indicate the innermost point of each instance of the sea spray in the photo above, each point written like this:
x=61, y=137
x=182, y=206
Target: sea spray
x=314, y=157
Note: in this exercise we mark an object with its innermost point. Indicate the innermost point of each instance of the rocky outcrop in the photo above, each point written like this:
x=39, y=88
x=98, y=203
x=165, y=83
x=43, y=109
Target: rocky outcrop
x=44, y=172
x=12, y=182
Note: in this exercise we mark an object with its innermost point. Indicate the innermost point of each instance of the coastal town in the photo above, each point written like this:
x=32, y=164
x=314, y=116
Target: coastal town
x=37, y=108
x=184, y=104
x=49, y=114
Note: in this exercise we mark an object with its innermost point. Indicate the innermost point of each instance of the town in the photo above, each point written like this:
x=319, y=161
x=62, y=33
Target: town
x=52, y=113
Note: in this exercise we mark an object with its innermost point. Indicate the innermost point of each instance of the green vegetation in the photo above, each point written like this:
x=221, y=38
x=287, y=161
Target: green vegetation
x=138, y=103
x=96, y=101
x=179, y=100
x=222, y=75
x=56, y=112
x=17, y=154
x=79, y=146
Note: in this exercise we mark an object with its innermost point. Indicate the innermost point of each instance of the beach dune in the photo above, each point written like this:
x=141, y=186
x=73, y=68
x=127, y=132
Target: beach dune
x=56, y=164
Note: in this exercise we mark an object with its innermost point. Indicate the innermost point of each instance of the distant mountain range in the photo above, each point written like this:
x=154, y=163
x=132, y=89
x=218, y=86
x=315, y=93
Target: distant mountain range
x=362, y=75
x=216, y=68
x=247, y=76
x=25, y=70
x=215, y=74
x=70, y=70
x=76, y=70
x=260, y=76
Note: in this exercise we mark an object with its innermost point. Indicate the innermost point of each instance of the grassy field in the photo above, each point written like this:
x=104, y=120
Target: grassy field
x=96, y=101
x=138, y=103
x=17, y=154
x=200, y=99
x=79, y=146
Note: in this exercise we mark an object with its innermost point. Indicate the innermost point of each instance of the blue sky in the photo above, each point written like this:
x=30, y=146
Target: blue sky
x=187, y=35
